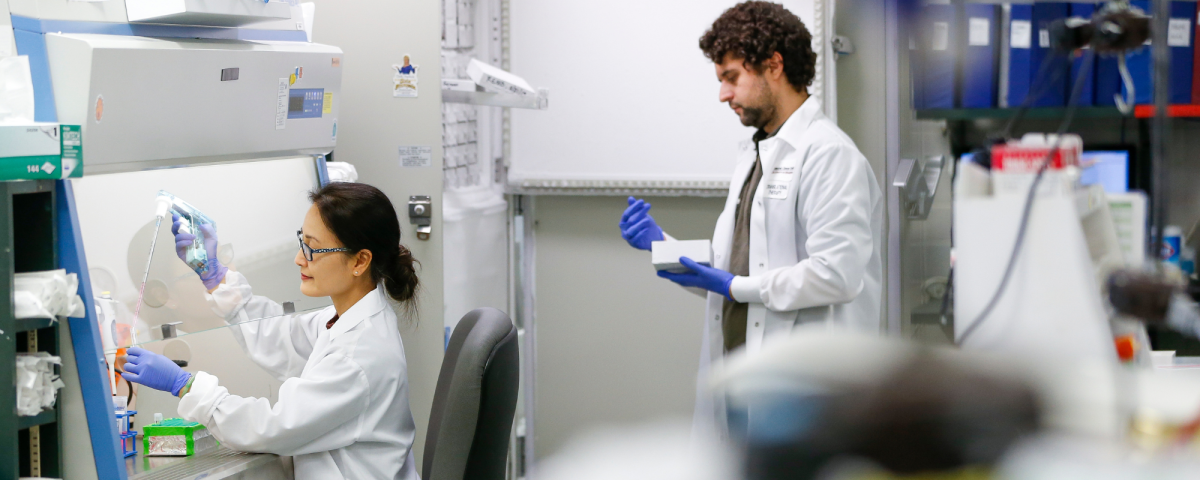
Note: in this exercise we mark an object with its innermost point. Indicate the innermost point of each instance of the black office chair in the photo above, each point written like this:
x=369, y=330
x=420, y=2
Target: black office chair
x=476, y=397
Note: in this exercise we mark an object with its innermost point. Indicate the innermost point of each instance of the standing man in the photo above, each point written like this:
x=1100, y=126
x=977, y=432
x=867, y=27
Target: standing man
x=798, y=242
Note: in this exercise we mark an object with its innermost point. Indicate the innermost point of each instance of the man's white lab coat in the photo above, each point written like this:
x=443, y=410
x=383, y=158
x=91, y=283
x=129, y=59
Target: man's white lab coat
x=816, y=232
x=343, y=407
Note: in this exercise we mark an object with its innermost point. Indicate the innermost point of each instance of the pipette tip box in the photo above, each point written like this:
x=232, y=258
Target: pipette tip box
x=176, y=437
x=665, y=254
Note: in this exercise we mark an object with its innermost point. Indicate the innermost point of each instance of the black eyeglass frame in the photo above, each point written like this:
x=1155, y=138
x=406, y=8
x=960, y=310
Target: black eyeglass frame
x=309, y=251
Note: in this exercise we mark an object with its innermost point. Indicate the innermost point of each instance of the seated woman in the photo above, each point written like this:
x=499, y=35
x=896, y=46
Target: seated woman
x=343, y=407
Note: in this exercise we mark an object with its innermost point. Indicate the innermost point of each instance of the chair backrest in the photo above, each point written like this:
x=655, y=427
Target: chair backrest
x=476, y=396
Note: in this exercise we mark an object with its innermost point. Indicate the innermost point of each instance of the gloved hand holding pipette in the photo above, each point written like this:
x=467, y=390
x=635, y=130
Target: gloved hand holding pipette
x=213, y=273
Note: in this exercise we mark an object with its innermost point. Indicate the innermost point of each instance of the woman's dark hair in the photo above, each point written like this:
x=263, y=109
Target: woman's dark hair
x=363, y=218
x=754, y=31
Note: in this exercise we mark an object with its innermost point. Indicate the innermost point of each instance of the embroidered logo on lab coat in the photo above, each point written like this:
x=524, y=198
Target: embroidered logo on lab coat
x=780, y=181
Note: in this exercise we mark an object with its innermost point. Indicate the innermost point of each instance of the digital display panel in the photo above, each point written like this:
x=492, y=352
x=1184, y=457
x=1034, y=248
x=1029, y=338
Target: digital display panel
x=305, y=102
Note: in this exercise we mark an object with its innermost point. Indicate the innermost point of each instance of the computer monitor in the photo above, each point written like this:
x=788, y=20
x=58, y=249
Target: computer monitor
x=1107, y=168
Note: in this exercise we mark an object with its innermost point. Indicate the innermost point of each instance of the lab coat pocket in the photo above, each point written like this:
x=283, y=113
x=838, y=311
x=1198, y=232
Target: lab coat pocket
x=779, y=182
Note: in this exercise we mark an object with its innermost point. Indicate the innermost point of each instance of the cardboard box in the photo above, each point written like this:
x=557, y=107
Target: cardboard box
x=37, y=151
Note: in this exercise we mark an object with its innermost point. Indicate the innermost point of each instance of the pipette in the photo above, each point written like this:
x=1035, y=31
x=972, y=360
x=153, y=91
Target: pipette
x=162, y=205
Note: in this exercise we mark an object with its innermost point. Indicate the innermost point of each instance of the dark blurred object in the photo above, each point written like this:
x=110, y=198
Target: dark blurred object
x=1167, y=310
x=928, y=416
x=1070, y=34
x=1116, y=29
x=1120, y=28
x=1140, y=295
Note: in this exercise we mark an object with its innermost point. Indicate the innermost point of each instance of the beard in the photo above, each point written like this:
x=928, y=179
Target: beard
x=760, y=110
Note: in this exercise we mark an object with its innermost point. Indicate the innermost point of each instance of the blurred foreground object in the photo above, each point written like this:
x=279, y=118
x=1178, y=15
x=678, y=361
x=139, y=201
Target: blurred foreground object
x=809, y=403
x=659, y=451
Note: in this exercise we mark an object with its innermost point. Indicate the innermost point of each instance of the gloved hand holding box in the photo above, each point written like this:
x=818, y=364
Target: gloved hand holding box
x=665, y=254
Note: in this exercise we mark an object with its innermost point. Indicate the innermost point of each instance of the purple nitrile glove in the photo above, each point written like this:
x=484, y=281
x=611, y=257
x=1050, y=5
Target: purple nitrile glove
x=708, y=278
x=215, y=272
x=638, y=227
x=154, y=371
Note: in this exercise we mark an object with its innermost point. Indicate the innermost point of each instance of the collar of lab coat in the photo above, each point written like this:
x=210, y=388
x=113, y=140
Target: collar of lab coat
x=368, y=306
x=793, y=128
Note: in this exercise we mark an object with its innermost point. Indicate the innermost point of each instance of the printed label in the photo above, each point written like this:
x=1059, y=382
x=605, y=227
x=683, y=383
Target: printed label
x=1022, y=34
x=281, y=104
x=780, y=181
x=416, y=157
x=72, y=151
x=941, y=36
x=1044, y=38
x=328, y=105
x=979, y=32
x=1179, y=32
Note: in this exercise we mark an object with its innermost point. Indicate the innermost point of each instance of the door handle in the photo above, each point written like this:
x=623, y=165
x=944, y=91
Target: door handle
x=420, y=213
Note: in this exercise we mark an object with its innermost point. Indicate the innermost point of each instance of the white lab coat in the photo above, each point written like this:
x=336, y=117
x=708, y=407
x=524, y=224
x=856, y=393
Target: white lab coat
x=343, y=407
x=816, y=232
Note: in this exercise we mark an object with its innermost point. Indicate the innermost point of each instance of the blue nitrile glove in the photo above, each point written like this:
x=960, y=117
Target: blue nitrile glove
x=638, y=227
x=154, y=371
x=215, y=273
x=708, y=278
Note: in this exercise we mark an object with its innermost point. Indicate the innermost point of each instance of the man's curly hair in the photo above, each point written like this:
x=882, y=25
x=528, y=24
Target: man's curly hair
x=754, y=31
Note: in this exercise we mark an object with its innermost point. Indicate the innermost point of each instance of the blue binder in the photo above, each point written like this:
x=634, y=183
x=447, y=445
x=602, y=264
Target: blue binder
x=1108, y=80
x=937, y=50
x=1053, y=93
x=1141, y=63
x=979, y=29
x=1183, y=20
x=1087, y=95
x=1020, y=45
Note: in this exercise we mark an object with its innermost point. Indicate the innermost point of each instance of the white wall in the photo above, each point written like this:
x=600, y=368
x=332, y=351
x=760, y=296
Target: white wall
x=632, y=97
x=375, y=34
x=616, y=343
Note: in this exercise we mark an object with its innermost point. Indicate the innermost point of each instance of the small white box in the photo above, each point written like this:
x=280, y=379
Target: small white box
x=1162, y=358
x=665, y=254
x=496, y=80
x=29, y=139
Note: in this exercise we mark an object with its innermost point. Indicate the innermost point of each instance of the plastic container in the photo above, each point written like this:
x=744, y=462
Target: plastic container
x=190, y=220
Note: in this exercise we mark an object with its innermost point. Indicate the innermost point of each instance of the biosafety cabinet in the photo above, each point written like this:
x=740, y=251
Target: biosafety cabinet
x=149, y=102
x=224, y=103
x=217, y=13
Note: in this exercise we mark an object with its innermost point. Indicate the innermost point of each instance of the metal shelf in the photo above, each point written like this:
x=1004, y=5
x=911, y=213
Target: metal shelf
x=982, y=113
x=46, y=417
x=539, y=102
x=1173, y=111
x=27, y=324
x=1140, y=111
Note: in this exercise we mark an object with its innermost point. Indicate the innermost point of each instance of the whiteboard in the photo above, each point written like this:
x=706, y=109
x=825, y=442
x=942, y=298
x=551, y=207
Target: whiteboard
x=633, y=100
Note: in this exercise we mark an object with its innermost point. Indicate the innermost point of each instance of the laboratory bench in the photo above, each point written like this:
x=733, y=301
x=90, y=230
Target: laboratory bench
x=219, y=462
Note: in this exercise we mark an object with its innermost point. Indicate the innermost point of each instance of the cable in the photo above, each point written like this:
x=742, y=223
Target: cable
x=1072, y=106
x=1036, y=94
x=1008, y=129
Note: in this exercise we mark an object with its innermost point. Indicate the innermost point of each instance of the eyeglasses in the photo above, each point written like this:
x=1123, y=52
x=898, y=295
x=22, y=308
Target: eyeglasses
x=309, y=251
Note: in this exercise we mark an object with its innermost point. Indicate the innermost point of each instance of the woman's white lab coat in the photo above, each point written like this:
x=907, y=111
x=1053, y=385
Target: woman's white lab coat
x=343, y=407
x=816, y=231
